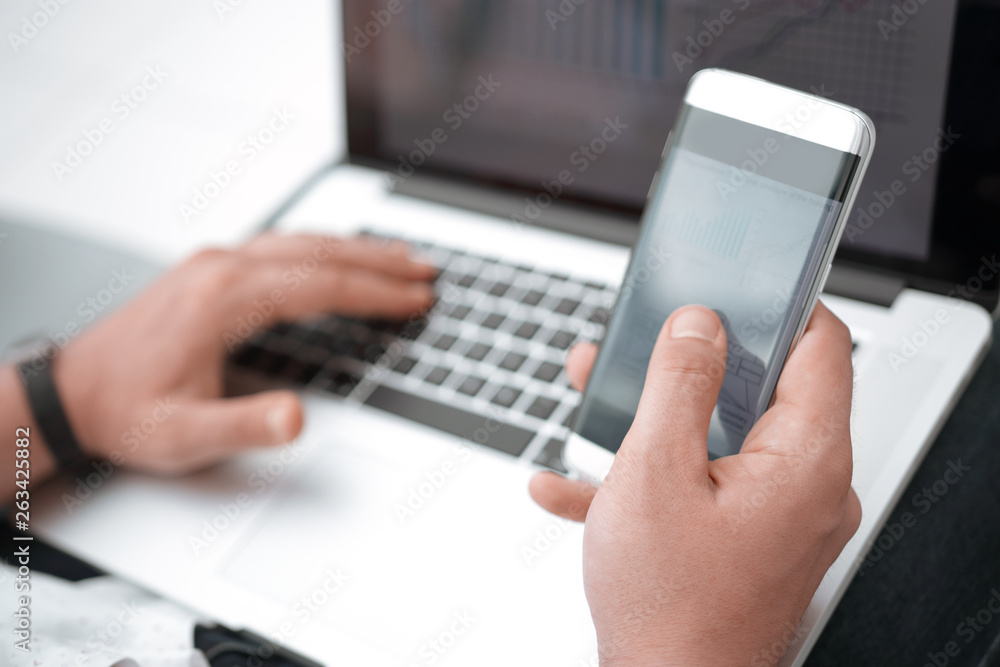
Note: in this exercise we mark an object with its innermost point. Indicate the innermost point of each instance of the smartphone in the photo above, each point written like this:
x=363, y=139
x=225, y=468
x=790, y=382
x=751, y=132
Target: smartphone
x=743, y=216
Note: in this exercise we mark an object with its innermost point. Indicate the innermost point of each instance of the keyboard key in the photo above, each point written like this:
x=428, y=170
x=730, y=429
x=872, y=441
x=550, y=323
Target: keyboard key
x=506, y=396
x=527, y=330
x=302, y=372
x=532, y=298
x=561, y=340
x=542, y=407
x=460, y=312
x=412, y=329
x=561, y=277
x=373, y=352
x=282, y=328
x=270, y=362
x=551, y=456
x=499, y=289
x=600, y=316
x=508, y=439
x=478, y=351
x=321, y=339
x=246, y=355
x=567, y=306
x=547, y=372
x=343, y=383
x=392, y=327
x=405, y=365
x=466, y=281
x=437, y=375
x=493, y=320
x=445, y=342
x=513, y=361
x=570, y=418
x=471, y=386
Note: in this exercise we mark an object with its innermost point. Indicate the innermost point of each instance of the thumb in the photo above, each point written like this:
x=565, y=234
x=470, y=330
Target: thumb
x=670, y=430
x=213, y=429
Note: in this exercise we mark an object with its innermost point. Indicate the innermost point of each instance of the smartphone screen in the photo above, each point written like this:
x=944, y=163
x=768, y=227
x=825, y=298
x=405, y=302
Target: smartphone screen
x=739, y=221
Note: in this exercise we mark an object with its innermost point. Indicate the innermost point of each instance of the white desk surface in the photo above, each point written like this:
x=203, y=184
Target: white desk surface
x=225, y=73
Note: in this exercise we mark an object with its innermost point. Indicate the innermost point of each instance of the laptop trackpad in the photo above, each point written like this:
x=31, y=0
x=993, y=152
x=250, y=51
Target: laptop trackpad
x=409, y=558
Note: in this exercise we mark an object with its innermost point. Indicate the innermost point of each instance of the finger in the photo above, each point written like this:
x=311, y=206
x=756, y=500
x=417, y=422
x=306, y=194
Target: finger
x=393, y=258
x=814, y=396
x=818, y=375
x=579, y=363
x=208, y=431
x=276, y=294
x=670, y=431
x=563, y=497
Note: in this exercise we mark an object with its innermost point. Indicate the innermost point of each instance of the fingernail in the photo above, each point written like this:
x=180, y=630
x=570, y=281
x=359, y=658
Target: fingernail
x=277, y=424
x=695, y=323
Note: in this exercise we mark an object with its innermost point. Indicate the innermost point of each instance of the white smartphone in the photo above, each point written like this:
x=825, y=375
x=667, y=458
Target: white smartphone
x=744, y=216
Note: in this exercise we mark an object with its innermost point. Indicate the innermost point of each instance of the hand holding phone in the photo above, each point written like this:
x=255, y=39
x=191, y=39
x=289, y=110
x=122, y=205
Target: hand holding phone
x=691, y=561
x=744, y=216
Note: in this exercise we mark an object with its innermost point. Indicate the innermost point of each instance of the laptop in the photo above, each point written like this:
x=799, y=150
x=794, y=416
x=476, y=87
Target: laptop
x=513, y=144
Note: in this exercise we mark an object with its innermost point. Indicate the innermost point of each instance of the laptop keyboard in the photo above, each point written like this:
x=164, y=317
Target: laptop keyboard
x=486, y=364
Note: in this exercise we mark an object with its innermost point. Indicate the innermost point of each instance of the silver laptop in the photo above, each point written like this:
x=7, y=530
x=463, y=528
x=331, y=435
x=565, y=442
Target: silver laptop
x=513, y=144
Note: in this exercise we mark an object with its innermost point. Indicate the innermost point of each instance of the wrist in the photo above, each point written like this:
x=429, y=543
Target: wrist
x=79, y=400
x=18, y=415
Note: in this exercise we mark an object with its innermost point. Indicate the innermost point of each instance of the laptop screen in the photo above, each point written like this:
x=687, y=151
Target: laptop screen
x=575, y=99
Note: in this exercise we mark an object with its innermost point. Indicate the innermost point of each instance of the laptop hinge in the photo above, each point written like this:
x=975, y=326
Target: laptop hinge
x=609, y=227
x=862, y=285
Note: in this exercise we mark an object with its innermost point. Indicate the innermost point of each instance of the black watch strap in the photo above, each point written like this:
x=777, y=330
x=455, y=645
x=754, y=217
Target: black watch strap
x=36, y=373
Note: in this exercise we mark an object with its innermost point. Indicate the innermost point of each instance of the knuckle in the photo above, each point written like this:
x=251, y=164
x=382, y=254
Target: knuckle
x=208, y=256
x=260, y=241
x=853, y=513
x=222, y=274
x=841, y=333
